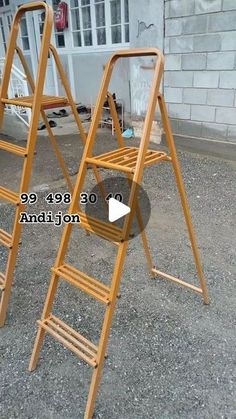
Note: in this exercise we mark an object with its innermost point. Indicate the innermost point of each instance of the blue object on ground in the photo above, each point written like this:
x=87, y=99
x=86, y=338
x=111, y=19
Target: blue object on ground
x=128, y=133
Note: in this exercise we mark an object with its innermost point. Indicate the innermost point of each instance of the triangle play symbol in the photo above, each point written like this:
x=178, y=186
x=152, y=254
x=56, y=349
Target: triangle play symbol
x=116, y=210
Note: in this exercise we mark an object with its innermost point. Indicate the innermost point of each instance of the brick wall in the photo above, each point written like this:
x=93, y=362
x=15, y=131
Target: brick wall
x=200, y=76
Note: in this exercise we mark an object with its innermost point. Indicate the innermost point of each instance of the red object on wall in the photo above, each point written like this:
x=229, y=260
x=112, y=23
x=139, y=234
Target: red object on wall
x=61, y=16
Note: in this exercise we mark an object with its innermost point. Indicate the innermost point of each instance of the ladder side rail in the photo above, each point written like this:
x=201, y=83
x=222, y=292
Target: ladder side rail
x=32, y=135
x=119, y=263
x=138, y=173
x=115, y=118
x=11, y=92
x=24, y=64
x=83, y=166
x=39, y=85
x=12, y=44
x=138, y=210
x=50, y=132
x=83, y=136
x=183, y=196
x=65, y=83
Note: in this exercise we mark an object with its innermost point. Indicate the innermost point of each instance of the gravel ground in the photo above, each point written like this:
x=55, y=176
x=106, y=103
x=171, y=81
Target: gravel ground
x=170, y=356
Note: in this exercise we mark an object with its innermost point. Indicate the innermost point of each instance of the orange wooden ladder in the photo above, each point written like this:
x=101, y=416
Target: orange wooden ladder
x=37, y=102
x=132, y=161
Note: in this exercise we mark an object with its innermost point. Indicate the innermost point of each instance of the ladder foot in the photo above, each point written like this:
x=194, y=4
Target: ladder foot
x=2, y=320
x=37, y=347
x=152, y=273
x=206, y=300
x=3, y=306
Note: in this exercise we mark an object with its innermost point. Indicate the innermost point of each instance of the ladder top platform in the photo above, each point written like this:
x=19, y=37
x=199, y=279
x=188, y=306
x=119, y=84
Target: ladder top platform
x=48, y=102
x=125, y=159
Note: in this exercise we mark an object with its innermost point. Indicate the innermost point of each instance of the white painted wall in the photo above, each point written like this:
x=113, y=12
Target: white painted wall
x=146, y=30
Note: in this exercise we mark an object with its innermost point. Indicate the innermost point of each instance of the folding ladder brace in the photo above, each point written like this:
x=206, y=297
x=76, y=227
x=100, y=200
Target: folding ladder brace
x=38, y=103
x=132, y=161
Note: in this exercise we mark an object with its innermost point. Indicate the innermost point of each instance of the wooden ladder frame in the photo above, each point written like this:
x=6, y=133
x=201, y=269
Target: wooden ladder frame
x=94, y=354
x=38, y=103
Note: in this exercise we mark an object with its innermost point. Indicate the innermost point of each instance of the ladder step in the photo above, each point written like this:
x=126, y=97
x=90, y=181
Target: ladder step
x=9, y=196
x=48, y=102
x=125, y=159
x=12, y=148
x=87, y=284
x=71, y=339
x=2, y=281
x=100, y=228
x=5, y=239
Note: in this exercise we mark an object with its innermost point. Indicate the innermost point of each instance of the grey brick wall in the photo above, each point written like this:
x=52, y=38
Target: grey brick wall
x=200, y=68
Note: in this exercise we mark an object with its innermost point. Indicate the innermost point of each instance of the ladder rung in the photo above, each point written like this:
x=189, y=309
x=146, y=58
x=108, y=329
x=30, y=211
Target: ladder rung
x=125, y=159
x=48, y=102
x=2, y=281
x=9, y=196
x=78, y=344
x=5, y=239
x=12, y=148
x=107, y=231
x=87, y=284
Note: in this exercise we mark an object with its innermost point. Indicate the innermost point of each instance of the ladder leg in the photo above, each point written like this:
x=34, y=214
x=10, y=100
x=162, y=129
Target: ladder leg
x=143, y=236
x=105, y=331
x=145, y=241
x=41, y=332
x=66, y=86
x=121, y=143
x=37, y=348
x=57, y=151
x=32, y=135
x=44, y=117
x=11, y=263
x=183, y=196
x=74, y=111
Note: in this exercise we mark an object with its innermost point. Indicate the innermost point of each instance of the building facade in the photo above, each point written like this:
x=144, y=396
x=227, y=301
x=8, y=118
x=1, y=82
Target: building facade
x=198, y=38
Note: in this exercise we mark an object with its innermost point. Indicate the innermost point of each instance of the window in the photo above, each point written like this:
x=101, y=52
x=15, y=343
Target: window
x=9, y=21
x=81, y=23
x=24, y=33
x=5, y=28
x=3, y=34
x=99, y=22
x=4, y=3
x=59, y=35
x=126, y=23
x=115, y=21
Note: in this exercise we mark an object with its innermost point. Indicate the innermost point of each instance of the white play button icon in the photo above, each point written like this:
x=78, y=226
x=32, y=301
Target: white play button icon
x=116, y=210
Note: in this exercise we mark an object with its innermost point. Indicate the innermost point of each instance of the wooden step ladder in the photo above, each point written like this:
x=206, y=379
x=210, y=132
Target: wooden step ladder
x=37, y=102
x=131, y=161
